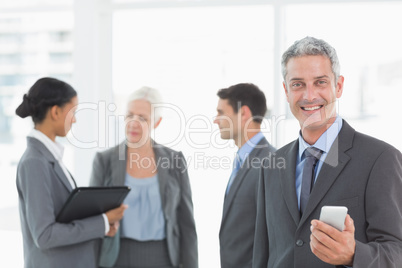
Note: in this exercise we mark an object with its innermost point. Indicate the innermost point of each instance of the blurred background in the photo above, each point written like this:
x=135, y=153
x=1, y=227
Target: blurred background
x=188, y=49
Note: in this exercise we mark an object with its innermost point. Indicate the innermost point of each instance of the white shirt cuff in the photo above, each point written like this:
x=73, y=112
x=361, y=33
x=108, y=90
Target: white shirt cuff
x=107, y=227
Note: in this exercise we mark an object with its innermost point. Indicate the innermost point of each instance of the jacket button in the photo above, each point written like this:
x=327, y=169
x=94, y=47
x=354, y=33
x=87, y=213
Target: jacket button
x=299, y=243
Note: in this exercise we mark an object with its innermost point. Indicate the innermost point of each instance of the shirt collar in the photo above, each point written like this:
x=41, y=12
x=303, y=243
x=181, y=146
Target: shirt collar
x=325, y=141
x=55, y=148
x=246, y=149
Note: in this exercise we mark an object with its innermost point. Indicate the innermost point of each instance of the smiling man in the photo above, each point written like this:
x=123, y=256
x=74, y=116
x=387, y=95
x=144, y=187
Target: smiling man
x=329, y=164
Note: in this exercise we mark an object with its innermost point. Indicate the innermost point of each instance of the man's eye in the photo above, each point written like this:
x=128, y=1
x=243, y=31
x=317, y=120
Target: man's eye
x=129, y=116
x=296, y=84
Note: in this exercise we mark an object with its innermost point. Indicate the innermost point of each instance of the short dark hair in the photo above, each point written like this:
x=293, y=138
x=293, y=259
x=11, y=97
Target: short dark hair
x=246, y=94
x=44, y=94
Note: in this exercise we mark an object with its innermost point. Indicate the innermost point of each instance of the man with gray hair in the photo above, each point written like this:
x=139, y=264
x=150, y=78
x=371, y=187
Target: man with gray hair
x=330, y=164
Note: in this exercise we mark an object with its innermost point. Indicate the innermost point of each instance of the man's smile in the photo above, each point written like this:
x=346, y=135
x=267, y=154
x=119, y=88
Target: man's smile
x=313, y=108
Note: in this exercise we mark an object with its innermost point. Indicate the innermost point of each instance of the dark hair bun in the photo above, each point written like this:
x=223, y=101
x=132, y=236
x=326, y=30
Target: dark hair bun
x=25, y=108
x=45, y=93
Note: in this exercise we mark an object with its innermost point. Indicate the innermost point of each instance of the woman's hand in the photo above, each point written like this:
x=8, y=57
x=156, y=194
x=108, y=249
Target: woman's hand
x=114, y=215
x=113, y=229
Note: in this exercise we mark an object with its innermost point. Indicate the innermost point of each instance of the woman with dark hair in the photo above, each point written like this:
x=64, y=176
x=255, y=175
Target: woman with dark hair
x=44, y=184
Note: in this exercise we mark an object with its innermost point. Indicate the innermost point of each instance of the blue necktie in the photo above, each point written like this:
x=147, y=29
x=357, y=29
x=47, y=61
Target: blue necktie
x=236, y=167
x=312, y=155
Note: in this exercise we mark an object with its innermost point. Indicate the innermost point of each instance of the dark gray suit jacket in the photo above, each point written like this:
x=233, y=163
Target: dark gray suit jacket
x=360, y=172
x=239, y=211
x=109, y=169
x=42, y=190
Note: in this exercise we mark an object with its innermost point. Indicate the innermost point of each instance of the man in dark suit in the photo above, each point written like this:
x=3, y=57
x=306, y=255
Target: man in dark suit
x=349, y=169
x=241, y=109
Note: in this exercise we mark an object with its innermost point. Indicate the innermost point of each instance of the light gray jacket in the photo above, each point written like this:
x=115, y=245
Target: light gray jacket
x=109, y=169
x=42, y=191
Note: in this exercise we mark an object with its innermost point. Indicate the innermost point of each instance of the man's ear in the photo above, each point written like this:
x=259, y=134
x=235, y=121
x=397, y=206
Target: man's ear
x=339, y=86
x=245, y=112
x=286, y=90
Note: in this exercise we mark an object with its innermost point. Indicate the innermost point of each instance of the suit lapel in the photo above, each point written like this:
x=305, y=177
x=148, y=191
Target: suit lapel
x=163, y=172
x=240, y=176
x=120, y=164
x=333, y=165
x=38, y=145
x=62, y=176
x=288, y=181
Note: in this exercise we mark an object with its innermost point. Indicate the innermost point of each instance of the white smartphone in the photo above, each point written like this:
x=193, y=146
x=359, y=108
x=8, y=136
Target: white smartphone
x=334, y=216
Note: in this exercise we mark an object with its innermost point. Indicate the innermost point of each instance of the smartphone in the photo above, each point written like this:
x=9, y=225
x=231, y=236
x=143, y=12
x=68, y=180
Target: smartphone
x=334, y=216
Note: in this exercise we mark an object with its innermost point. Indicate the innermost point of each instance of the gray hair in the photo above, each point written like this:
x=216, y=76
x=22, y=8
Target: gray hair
x=152, y=96
x=310, y=46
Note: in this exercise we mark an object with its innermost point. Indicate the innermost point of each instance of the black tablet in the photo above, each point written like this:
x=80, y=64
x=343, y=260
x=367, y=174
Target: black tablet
x=85, y=202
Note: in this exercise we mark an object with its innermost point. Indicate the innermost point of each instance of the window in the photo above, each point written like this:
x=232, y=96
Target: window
x=370, y=57
x=189, y=54
x=26, y=54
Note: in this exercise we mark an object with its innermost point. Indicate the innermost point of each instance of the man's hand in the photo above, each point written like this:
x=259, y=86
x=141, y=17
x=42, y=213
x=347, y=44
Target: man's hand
x=332, y=246
x=113, y=229
x=116, y=214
